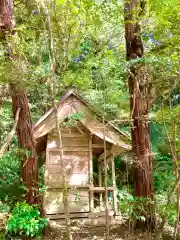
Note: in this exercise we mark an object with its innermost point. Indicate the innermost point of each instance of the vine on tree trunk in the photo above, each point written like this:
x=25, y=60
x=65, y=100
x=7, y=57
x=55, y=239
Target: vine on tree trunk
x=139, y=105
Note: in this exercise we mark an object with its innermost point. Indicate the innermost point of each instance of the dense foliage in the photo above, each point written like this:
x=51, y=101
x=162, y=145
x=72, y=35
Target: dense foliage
x=11, y=187
x=25, y=220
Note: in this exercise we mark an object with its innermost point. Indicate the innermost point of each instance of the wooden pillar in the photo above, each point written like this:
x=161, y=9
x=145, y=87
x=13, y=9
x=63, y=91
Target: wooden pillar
x=91, y=194
x=100, y=182
x=114, y=186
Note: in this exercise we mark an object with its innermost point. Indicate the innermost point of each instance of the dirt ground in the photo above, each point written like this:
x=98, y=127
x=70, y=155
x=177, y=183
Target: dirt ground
x=97, y=232
x=118, y=232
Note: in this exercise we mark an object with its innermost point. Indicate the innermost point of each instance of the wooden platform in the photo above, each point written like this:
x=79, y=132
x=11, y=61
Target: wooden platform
x=81, y=215
x=86, y=219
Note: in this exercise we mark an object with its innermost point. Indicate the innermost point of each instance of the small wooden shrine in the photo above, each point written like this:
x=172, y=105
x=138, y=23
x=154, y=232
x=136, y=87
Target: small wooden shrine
x=84, y=138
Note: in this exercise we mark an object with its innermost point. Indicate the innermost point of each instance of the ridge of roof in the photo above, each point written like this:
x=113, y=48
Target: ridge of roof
x=62, y=99
x=78, y=96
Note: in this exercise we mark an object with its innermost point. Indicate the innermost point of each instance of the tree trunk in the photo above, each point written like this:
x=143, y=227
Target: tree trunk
x=19, y=100
x=138, y=88
x=26, y=143
x=6, y=16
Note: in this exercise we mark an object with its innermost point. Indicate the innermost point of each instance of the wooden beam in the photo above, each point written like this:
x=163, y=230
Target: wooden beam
x=69, y=149
x=101, y=189
x=71, y=187
x=79, y=215
x=46, y=167
x=71, y=215
x=99, y=146
x=91, y=194
x=101, y=157
x=100, y=182
x=73, y=135
x=80, y=130
x=114, y=187
x=114, y=150
x=100, y=214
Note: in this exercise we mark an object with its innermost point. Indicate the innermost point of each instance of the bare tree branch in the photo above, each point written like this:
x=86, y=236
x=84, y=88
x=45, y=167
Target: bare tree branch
x=11, y=135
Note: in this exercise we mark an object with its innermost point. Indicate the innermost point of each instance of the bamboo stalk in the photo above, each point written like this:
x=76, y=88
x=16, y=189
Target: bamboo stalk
x=91, y=199
x=64, y=176
x=114, y=186
x=178, y=214
x=106, y=183
x=177, y=170
x=59, y=136
x=100, y=182
x=172, y=145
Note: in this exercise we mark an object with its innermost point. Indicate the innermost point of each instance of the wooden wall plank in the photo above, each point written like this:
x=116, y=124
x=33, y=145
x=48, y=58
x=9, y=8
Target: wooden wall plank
x=56, y=181
x=73, y=195
x=66, y=142
x=58, y=207
x=57, y=169
x=76, y=161
x=78, y=201
x=69, y=149
x=71, y=136
x=81, y=142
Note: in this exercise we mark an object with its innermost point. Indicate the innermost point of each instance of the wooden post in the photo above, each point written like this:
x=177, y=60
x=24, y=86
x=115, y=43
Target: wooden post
x=114, y=186
x=100, y=182
x=91, y=194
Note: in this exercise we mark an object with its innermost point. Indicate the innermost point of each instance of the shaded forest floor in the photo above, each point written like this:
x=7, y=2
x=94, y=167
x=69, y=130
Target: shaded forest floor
x=117, y=232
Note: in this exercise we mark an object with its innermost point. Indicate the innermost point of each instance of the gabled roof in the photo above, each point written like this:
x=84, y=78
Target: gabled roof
x=72, y=103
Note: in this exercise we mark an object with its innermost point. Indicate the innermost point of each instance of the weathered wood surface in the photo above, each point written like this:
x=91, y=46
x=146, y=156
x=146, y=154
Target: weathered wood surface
x=68, y=149
x=58, y=207
x=73, y=195
x=78, y=201
x=76, y=164
x=68, y=142
x=3, y=220
x=100, y=183
x=74, y=187
x=81, y=215
x=55, y=180
x=73, y=163
x=72, y=104
x=115, y=202
x=90, y=166
x=47, y=122
x=101, y=189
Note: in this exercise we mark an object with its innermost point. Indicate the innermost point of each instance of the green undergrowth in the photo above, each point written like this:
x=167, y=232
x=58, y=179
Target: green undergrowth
x=130, y=207
x=25, y=221
x=11, y=187
x=4, y=207
x=163, y=172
